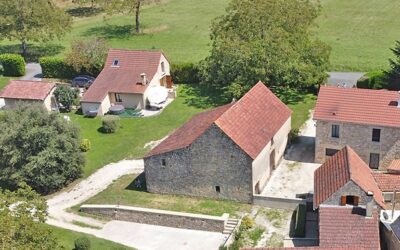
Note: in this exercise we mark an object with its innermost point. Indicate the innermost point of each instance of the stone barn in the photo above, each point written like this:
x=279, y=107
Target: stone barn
x=227, y=152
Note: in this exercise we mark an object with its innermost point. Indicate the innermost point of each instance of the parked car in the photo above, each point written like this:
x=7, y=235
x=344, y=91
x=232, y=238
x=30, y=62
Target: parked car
x=82, y=81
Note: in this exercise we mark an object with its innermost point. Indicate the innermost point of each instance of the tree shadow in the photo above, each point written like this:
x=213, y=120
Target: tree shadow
x=111, y=31
x=202, y=96
x=34, y=51
x=84, y=11
x=138, y=184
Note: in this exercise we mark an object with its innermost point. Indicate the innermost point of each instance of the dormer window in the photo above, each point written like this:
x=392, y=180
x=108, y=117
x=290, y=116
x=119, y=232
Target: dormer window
x=116, y=63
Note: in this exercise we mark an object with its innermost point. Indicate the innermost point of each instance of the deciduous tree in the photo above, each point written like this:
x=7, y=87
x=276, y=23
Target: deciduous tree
x=268, y=40
x=32, y=21
x=66, y=96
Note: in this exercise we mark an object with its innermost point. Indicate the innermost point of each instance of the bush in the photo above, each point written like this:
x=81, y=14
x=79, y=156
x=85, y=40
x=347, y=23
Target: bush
x=56, y=67
x=185, y=73
x=247, y=223
x=294, y=135
x=300, y=226
x=13, y=64
x=66, y=96
x=372, y=80
x=110, y=123
x=82, y=243
x=85, y=145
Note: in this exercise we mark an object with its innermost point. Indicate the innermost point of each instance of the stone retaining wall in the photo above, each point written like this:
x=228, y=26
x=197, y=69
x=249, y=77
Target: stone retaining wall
x=159, y=217
x=276, y=202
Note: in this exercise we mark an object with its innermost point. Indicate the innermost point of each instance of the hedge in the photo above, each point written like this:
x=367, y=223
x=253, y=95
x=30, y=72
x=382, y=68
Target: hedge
x=13, y=65
x=300, y=226
x=185, y=73
x=110, y=124
x=82, y=243
x=56, y=67
x=372, y=80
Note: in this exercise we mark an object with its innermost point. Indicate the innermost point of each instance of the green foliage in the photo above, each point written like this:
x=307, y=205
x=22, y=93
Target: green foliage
x=186, y=73
x=22, y=216
x=256, y=40
x=110, y=124
x=276, y=240
x=372, y=80
x=294, y=135
x=32, y=20
x=66, y=96
x=392, y=76
x=56, y=67
x=85, y=145
x=82, y=243
x=300, y=225
x=39, y=148
x=247, y=223
x=13, y=65
x=255, y=235
x=87, y=56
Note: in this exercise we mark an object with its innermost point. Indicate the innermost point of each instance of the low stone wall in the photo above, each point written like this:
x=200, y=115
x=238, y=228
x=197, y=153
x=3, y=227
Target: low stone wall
x=159, y=217
x=276, y=202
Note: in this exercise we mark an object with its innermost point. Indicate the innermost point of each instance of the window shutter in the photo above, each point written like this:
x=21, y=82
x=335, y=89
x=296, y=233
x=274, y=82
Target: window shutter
x=343, y=201
x=356, y=200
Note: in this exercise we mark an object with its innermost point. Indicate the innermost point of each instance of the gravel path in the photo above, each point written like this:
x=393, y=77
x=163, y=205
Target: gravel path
x=33, y=72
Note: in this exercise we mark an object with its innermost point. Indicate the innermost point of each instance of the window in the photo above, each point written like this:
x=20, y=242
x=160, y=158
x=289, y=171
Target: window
x=163, y=162
x=116, y=62
x=162, y=67
x=118, y=98
x=349, y=200
x=376, y=135
x=217, y=189
x=374, y=160
x=335, y=131
x=330, y=151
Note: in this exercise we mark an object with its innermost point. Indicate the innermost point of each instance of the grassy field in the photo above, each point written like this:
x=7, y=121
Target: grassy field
x=3, y=82
x=300, y=110
x=123, y=192
x=66, y=239
x=360, y=32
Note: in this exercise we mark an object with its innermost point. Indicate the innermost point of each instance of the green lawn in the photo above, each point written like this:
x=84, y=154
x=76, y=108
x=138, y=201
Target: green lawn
x=123, y=192
x=66, y=239
x=3, y=81
x=301, y=110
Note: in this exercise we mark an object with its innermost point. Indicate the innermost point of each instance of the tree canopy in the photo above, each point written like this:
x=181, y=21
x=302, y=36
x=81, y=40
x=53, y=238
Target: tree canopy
x=22, y=216
x=392, y=76
x=38, y=148
x=32, y=20
x=267, y=40
x=66, y=96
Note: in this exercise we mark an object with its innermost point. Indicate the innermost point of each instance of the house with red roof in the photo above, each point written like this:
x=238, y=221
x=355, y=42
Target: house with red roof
x=127, y=79
x=29, y=91
x=227, y=152
x=367, y=120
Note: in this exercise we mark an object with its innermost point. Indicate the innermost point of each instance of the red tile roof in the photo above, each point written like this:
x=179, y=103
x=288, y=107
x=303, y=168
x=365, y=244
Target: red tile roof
x=347, y=227
x=27, y=90
x=387, y=182
x=394, y=166
x=361, y=106
x=338, y=170
x=251, y=122
x=124, y=78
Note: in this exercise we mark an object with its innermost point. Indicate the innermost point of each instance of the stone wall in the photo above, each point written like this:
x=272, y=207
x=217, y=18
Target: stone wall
x=159, y=217
x=359, y=137
x=212, y=160
x=349, y=188
x=276, y=202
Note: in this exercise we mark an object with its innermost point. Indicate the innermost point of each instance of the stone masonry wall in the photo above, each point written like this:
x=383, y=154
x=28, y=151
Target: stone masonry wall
x=158, y=217
x=349, y=188
x=359, y=137
x=212, y=160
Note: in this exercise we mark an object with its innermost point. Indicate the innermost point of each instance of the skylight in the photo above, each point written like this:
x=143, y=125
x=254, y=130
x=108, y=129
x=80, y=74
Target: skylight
x=116, y=62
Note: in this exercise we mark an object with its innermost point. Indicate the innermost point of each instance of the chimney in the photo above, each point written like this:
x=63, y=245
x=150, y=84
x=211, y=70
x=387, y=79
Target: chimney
x=144, y=78
x=398, y=100
x=370, y=205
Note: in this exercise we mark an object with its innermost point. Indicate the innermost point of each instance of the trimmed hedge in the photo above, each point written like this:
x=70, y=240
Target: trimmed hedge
x=13, y=65
x=85, y=145
x=56, y=67
x=372, y=80
x=300, y=226
x=82, y=243
x=188, y=73
x=110, y=123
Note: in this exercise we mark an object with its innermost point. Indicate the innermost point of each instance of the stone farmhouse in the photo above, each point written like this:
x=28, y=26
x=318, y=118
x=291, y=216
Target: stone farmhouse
x=227, y=152
x=367, y=120
x=126, y=79
x=29, y=91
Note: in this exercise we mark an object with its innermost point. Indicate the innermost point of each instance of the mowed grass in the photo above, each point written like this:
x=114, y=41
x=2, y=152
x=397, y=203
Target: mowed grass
x=66, y=238
x=3, y=81
x=360, y=32
x=301, y=110
x=123, y=192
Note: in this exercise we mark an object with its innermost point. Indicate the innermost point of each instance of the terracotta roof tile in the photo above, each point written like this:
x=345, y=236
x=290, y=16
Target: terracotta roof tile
x=347, y=227
x=27, y=90
x=361, y=106
x=387, y=182
x=251, y=122
x=394, y=166
x=125, y=78
x=338, y=170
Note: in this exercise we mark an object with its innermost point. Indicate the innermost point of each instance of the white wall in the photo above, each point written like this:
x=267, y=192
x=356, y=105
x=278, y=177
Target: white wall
x=48, y=102
x=129, y=100
x=261, y=165
x=89, y=106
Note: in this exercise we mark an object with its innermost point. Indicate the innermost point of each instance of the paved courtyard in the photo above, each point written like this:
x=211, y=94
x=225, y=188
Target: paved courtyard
x=295, y=174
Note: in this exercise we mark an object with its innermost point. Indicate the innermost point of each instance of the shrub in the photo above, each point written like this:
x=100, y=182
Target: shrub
x=185, y=73
x=13, y=64
x=56, y=67
x=82, y=243
x=247, y=223
x=294, y=135
x=85, y=145
x=66, y=96
x=372, y=80
x=110, y=123
x=300, y=226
